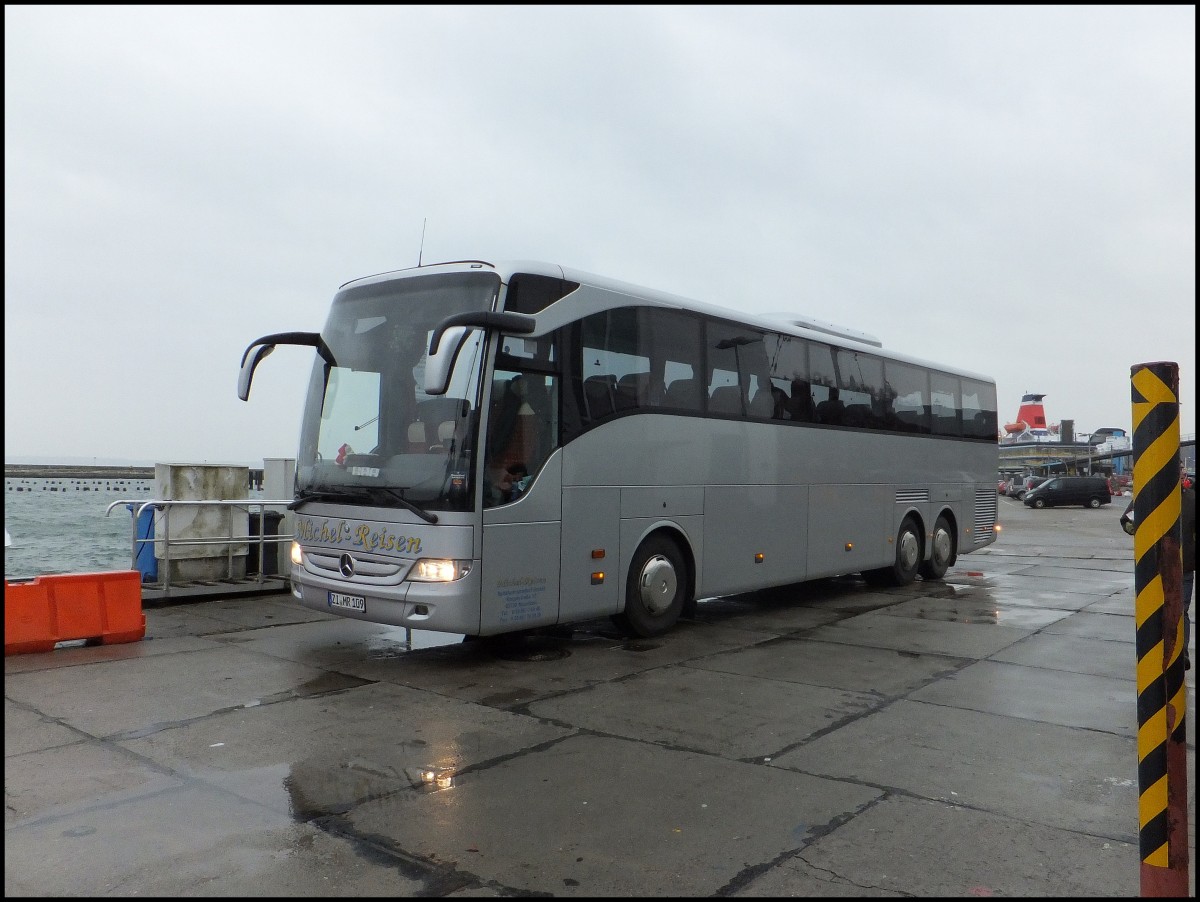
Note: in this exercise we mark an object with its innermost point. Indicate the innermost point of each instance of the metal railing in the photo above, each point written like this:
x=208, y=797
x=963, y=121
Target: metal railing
x=162, y=539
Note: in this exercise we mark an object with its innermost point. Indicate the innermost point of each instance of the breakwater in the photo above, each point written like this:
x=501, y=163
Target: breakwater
x=108, y=473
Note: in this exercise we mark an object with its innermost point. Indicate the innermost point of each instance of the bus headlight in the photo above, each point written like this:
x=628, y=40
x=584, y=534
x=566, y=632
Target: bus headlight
x=297, y=555
x=438, y=570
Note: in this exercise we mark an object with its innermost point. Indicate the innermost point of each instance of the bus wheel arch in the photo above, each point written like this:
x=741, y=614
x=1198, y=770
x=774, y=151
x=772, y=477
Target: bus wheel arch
x=943, y=547
x=658, y=586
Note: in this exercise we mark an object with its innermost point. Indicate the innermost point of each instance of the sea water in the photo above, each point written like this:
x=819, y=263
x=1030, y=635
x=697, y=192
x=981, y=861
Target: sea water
x=59, y=525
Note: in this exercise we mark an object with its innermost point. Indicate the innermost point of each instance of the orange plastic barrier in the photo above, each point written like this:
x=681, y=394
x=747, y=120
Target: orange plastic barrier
x=102, y=607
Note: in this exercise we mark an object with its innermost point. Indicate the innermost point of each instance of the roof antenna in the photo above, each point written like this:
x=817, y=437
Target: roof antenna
x=421, y=252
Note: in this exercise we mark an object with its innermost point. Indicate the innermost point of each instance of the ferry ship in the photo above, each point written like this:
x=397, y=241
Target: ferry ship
x=1030, y=442
x=1030, y=428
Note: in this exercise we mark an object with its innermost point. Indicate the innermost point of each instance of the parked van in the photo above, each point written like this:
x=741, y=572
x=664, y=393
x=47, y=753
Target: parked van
x=1089, y=491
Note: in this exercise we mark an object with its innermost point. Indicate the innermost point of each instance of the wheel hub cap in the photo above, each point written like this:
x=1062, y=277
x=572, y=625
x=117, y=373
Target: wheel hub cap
x=658, y=584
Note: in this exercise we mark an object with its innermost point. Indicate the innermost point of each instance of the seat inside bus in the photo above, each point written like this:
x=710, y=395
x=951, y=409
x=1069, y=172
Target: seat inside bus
x=598, y=392
x=725, y=399
x=683, y=393
x=439, y=421
x=638, y=390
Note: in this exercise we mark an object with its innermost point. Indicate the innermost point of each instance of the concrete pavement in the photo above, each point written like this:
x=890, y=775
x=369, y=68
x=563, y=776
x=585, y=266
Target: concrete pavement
x=975, y=736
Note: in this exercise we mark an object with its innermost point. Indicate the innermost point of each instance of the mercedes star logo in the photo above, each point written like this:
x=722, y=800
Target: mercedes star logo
x=346, y=565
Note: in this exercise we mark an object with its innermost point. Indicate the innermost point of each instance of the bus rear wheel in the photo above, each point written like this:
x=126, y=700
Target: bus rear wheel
x=655, y=589
x=941, y=551
x=908, y=558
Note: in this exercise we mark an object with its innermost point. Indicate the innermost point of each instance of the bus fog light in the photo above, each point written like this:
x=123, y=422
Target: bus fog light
x=435, y=570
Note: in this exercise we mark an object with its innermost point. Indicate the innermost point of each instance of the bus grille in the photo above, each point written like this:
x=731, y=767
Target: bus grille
x=920, y=496
x=985, y=517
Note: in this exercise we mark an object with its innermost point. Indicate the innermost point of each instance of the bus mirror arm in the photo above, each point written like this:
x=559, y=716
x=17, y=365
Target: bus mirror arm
x=517, y=323
x=448, y=336
x=260, y=349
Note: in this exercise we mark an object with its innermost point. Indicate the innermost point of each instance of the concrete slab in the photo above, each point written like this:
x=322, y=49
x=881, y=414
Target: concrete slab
x=1041, y=694
x=985, y=761
x=950, y=850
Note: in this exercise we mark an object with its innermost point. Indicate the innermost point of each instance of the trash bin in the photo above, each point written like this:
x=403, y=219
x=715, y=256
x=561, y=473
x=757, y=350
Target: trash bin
x=144, y=560
x=270, y=524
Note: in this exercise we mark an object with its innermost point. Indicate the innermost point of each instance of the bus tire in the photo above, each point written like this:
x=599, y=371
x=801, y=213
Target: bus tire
x=908, y=558
x=941, y=551
x=655, y=589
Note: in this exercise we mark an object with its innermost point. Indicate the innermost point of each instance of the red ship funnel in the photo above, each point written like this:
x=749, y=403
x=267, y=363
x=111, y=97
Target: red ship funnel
x=1032, y=415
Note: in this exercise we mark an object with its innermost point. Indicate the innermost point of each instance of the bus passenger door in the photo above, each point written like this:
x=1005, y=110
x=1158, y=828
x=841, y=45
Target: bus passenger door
x=519, y=578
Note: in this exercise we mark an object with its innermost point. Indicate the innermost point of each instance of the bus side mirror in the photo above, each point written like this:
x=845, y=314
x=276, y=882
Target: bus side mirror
x=250, y=360
x=440, y=362
x=260, y=348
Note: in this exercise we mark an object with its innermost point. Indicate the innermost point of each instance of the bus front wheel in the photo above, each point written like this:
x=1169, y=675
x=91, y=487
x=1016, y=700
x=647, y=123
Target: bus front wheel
x=941, y=551
x=654, y=590
x=908, y=558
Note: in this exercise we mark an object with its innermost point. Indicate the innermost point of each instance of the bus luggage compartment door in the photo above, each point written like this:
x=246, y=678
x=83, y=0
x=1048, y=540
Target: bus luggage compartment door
x=591, y=559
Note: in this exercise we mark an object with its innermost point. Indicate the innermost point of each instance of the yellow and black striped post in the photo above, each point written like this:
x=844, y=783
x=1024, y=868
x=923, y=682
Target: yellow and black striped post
x=1158, y=572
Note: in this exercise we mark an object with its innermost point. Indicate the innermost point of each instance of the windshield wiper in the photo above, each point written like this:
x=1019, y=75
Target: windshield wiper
x=406, y=504
x=366, y=493
x=350, y=494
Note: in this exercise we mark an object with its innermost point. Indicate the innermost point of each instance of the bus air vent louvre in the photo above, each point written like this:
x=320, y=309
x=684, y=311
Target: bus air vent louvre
x=985, y=516
x=918, y=497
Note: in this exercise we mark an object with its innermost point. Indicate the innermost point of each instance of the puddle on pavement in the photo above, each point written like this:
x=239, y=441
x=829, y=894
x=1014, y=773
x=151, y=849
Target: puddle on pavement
x=961, y=614
x=397, y=642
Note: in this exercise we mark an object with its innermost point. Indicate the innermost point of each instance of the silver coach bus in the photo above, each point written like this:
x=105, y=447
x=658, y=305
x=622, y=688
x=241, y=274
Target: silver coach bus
x=488, y=448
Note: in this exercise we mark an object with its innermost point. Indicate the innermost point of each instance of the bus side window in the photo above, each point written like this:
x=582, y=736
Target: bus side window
x=907, y=387
x=946, y=408
x=978, y=409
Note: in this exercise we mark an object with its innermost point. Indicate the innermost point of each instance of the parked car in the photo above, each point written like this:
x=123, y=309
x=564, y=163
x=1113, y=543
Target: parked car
x=1024, y=485
x=1089, y=491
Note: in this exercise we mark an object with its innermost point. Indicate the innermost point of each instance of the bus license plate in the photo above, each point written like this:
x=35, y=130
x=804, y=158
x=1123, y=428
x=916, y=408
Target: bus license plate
x=349, y=602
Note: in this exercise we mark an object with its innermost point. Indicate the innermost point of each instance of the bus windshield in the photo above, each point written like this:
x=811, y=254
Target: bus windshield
x=370, y=434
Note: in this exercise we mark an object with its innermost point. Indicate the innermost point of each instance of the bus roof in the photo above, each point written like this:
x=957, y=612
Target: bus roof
x=798, y=324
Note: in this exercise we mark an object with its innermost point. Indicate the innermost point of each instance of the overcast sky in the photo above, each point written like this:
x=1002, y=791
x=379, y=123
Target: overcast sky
x=1006, y=189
